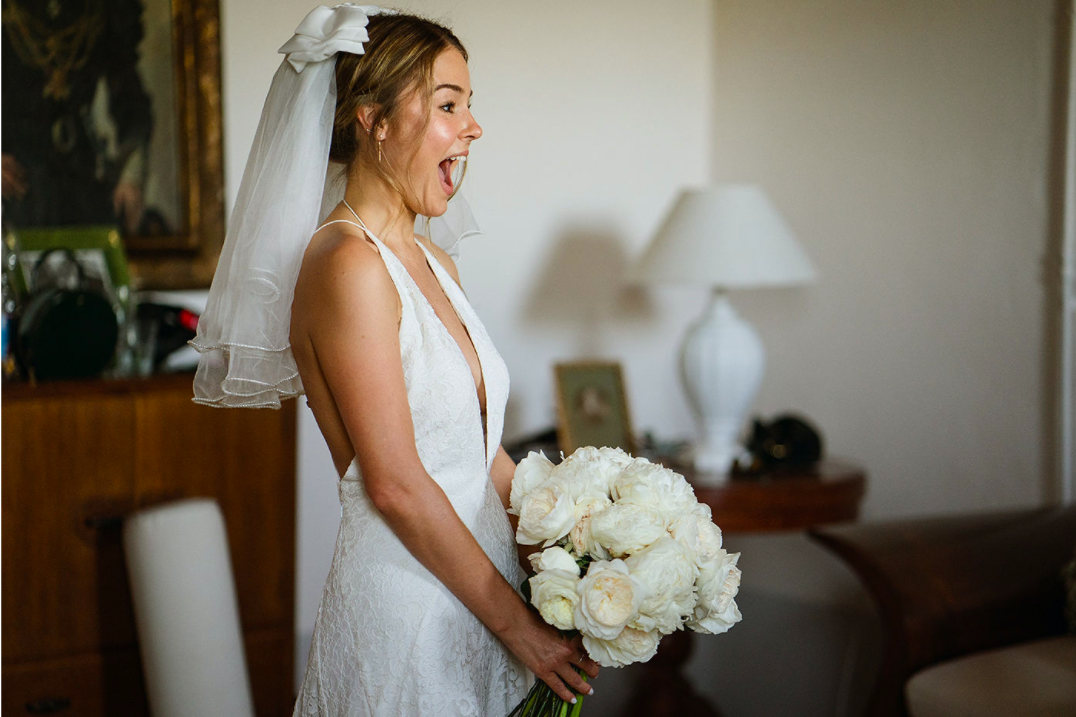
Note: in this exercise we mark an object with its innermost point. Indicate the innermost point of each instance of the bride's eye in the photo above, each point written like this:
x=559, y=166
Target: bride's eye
x=449, y=107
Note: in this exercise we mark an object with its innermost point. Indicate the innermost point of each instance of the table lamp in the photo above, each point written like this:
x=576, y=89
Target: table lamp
x=728, y=236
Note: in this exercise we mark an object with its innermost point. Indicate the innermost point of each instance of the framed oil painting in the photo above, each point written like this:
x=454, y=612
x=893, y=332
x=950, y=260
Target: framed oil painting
x=592, y=409
x=111, y=116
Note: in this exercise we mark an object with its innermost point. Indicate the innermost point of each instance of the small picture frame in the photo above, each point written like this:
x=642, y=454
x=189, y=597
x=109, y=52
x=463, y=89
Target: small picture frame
x=592, y=408
x=98, y=249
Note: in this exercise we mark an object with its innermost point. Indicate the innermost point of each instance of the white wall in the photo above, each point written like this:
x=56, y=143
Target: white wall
x=907, y=143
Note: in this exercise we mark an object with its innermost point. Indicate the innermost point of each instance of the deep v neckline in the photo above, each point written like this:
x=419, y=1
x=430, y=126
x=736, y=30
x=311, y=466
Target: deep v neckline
x=430, y=262
x=483, y=416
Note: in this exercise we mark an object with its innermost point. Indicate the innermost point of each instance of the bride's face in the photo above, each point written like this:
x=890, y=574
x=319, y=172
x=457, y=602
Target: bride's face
x=427, y=173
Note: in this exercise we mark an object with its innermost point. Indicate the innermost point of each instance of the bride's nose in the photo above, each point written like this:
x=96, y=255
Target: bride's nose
x=473, y=130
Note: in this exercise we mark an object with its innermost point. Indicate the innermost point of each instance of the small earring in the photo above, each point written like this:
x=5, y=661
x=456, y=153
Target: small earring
x=379, y=151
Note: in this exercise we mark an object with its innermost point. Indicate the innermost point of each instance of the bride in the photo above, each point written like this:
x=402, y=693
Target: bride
x=419, y=615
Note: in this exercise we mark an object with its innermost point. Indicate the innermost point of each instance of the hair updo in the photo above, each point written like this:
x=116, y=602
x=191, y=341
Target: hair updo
x=398, y=59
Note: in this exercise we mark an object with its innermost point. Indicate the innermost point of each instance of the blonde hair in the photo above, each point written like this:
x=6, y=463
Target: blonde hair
x=398, y=60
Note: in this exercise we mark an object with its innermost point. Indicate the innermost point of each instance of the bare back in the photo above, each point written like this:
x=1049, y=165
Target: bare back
x=339, y=243
x=330, y=245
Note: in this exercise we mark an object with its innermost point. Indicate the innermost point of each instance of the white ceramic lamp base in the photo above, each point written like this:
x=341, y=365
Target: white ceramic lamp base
x=722, y=362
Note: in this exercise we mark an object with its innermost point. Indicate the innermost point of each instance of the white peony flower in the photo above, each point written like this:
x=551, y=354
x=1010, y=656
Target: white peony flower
x=697, y=531
x=655, y=487
x=625, y=528
x=531, y=472
x=617, y=460
x=555, y=558
x=616, y=455
x=667, y=567
x=609, y=598
x=590, y=470
x=630, y=646
x=686, y=530
x=719, y=581
x=588, y=505
x=716, y=623
x=545, y=516
x=554, y=593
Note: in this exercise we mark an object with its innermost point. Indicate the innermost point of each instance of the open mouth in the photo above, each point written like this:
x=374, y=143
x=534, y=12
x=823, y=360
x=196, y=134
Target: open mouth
x=449, y=171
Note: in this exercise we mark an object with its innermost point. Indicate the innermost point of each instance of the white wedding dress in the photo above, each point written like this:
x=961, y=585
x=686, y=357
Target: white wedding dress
x=390, y=640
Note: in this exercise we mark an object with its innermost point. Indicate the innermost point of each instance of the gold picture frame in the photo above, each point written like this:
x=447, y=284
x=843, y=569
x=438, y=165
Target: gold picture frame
x=137, y=123
x=592, y=406
x=191, y=261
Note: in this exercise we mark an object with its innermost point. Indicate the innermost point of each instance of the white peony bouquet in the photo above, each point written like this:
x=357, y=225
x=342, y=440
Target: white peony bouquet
x=629, y=555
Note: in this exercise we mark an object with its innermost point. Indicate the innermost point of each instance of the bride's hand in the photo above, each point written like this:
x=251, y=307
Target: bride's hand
x=552, y=657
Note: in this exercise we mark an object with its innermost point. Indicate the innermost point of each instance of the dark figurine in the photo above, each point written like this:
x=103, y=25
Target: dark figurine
x=786, y=442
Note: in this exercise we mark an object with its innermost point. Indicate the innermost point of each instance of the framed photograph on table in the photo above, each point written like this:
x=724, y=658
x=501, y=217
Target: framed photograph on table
x=111, y=116
x=592, y=408
x=98, y=251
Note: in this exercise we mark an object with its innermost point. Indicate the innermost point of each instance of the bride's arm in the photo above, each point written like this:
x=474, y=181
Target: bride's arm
x=352, y=326
x=501, y=473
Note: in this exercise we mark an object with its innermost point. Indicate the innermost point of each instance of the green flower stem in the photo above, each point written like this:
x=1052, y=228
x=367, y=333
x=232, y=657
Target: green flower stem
x=542, y=701
x=531, y=697
x=540, y=695
x=549, y=703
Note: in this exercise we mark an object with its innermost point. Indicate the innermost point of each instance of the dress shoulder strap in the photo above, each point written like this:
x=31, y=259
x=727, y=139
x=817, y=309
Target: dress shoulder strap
x=340, y=221
x=361, y=226
x=358, y=224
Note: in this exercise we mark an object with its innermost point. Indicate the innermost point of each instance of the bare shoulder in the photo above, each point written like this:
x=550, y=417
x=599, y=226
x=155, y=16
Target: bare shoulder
x=443, y=257
x=341, y=270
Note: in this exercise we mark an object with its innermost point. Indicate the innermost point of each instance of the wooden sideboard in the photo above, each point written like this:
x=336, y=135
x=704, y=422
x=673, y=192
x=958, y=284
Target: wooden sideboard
x=78, y=456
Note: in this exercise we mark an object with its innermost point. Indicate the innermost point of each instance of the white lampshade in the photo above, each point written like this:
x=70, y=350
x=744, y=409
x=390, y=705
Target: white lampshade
x=724, y=237
x=728, y=236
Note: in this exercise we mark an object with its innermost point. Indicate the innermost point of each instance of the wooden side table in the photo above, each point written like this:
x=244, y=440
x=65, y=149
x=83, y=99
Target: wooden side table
x=768, y=502
x=784, y=501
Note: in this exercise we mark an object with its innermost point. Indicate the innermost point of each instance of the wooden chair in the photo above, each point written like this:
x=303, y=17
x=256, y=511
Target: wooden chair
x=950, y=586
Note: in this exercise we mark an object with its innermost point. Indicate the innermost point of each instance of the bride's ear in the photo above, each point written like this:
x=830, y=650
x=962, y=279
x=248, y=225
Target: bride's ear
x=366, y=115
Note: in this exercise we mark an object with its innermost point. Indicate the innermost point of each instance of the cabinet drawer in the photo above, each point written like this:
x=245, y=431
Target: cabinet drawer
x=94, y=685
x=68, y=467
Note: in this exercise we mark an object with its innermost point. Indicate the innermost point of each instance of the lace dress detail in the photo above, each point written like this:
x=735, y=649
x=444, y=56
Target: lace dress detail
x=390, y=639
